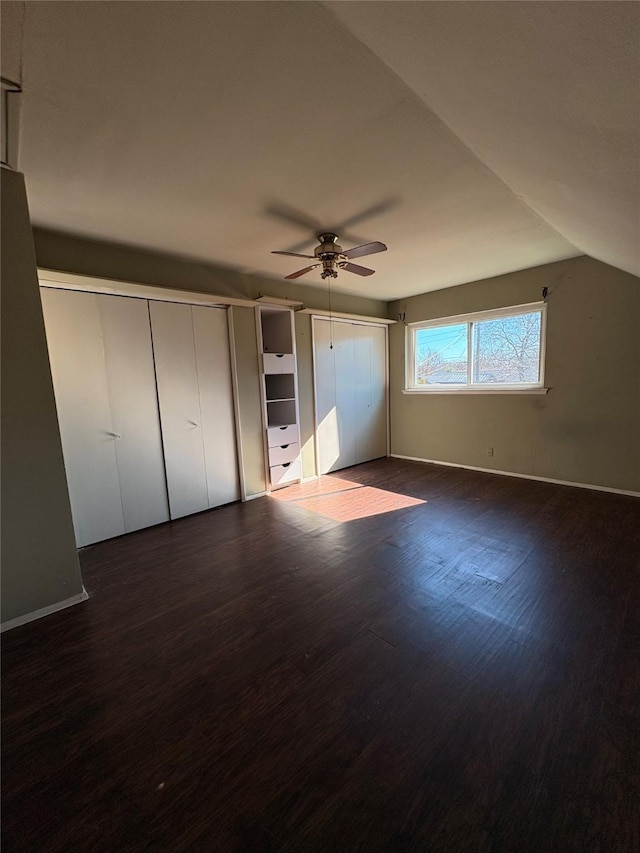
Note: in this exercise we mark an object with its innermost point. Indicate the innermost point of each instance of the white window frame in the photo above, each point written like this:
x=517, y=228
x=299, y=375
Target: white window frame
x=411, y=387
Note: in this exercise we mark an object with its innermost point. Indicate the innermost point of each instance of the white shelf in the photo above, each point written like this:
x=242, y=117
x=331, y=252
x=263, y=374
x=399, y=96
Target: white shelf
x=279, y=395
x=277, y=332
x=281, y=412
x=279, y=386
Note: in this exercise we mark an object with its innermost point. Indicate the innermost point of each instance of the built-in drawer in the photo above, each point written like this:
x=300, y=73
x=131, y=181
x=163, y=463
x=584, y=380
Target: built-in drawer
x=285, y=453
x=280, y=475
x=277, y=436
x=274, y=362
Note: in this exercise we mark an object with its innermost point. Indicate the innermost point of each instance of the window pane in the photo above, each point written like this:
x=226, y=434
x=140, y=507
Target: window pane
x=441, y=355
x=507, y=350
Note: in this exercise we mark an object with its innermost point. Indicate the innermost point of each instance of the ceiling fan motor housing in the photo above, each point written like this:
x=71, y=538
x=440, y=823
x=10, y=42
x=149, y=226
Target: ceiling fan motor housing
x=328, y=246
x=330, y=253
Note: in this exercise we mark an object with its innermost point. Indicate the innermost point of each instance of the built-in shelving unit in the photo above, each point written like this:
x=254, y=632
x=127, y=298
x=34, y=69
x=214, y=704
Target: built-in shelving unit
x=276, y=339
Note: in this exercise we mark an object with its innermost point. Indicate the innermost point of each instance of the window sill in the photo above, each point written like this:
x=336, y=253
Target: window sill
x=475, y=390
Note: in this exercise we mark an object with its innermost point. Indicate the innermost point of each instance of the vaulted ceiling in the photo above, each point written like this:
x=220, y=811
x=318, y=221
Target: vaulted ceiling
x=474, y=138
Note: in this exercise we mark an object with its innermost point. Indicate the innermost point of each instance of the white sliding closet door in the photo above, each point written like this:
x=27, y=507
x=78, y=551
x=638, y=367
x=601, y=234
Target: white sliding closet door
x=76, y=353
x=346, y=391
x=134, y=410
x=327, y=433
x=196, y=405
x=211, y=334
x=370, y=372
x=102, y=368
x=350, y=386
x=177, y=381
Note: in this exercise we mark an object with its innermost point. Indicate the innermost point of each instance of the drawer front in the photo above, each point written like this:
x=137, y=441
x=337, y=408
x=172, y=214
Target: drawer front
x=280, y=455
x=280, y=475
x=276, y=363
x=277, y=436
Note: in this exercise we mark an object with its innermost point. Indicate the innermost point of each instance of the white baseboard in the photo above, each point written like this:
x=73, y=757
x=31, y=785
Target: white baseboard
x=519, y=476
x=253, y=497
x=44, y=611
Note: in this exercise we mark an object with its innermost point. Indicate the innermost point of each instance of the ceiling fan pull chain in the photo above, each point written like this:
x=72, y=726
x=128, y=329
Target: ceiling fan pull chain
x=330, y=317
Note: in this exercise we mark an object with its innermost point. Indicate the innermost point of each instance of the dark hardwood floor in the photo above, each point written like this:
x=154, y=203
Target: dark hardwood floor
x=457, y=676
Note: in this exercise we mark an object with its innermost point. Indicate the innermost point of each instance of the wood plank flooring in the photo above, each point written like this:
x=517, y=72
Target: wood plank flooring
x=459, y=675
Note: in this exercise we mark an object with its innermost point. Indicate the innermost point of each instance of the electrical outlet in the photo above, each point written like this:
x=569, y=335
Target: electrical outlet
x=489, y=451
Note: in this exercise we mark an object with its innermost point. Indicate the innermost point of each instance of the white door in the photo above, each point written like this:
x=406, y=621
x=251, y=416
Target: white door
x=102, y=368
x=134, y=410
x=346, y=391
x=76, y=353
x=196, y=405
x=211, y=333
x=325, y=378
x=350, y=389
x=370, y=370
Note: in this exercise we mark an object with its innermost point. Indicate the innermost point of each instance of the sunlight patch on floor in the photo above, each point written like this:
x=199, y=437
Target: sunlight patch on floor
x=341, y=500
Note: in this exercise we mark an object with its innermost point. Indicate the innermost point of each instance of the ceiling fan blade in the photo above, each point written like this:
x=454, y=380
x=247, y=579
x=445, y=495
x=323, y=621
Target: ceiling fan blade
x=303, y=244
x=302, y=272
x=357, y=269
x=293, y=216
x=293, y=255
x=375, y=210
x=365, y=249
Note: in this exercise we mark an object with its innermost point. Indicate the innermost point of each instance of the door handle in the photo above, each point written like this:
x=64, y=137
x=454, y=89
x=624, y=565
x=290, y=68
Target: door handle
x=114, y=434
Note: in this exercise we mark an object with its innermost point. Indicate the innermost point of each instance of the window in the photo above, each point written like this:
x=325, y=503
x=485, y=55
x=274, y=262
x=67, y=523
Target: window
x=500, y=350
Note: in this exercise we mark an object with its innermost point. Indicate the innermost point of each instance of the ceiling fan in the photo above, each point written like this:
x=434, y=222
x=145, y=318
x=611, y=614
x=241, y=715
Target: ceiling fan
x=330, y=256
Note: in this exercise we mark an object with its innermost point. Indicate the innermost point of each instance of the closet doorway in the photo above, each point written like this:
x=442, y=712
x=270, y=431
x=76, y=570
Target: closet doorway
x=351, y=392
x=145, y=404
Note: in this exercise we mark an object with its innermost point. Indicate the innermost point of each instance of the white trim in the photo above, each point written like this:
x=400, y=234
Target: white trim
x=44, y=611
x=296, y=387
x=91, y=284
x=235, y=391
x=470, y=387
x=316, y=449
x=542, y=353
x=277, y=300
x=340, y=315
x=488, y=314
x=263, y=398
x=387, y=388
x=463, y=389
x=11, y=109
x=520, y=476
x=309, y=479
x=266, y=309
x=257, y=495
x=387, y=381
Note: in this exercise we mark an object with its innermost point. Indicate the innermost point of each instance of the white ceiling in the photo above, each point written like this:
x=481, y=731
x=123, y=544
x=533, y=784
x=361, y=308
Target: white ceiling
x=480, y=137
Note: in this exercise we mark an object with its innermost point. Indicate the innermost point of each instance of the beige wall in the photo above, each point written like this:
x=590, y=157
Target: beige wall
x=87, y=257
x=39, y=560
x=11, y=35
x=586, y=429
x=57, y=251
